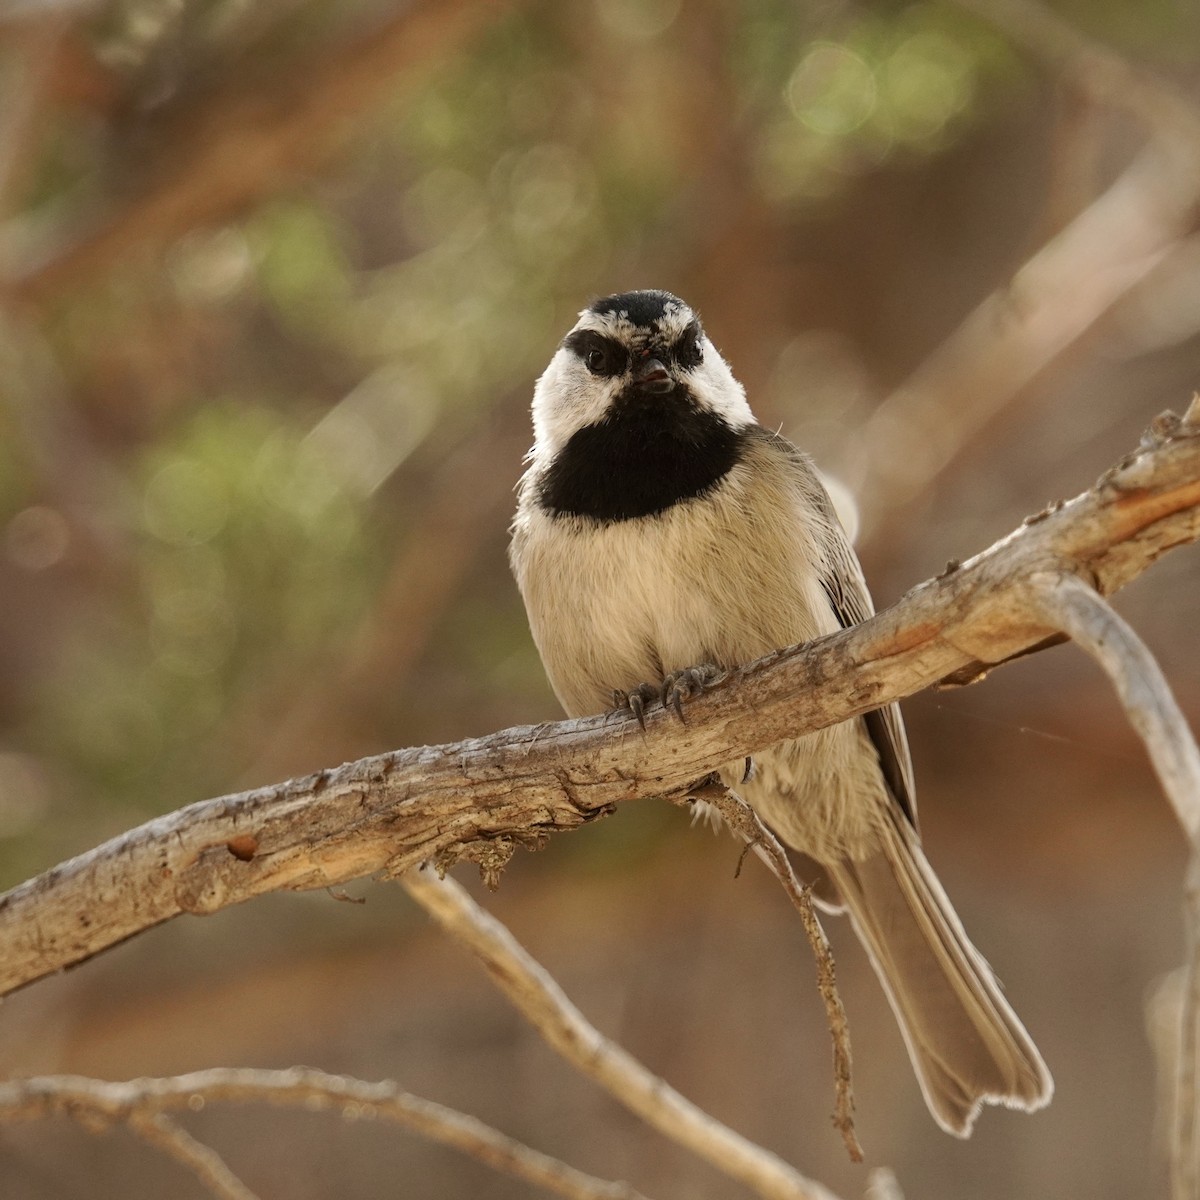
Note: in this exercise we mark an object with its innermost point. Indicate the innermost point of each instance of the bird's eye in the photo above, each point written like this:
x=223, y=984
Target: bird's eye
x=601, y=355
x=605, y=357
x=689, y=351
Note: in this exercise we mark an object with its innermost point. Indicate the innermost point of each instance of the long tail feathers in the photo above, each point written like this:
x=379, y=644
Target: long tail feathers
x=967, y=1045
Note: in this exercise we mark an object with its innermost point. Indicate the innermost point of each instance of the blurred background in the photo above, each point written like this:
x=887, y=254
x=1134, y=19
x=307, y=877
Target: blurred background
x=276, y=279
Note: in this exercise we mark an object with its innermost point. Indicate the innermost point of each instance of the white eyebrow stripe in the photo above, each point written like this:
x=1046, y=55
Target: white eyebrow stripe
x=670, y=326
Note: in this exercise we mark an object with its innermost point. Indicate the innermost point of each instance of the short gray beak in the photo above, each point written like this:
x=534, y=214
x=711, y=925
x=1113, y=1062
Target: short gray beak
x=649, y=375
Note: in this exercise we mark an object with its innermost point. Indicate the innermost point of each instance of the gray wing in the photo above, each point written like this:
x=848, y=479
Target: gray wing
x=847, y=592
x=846, y=588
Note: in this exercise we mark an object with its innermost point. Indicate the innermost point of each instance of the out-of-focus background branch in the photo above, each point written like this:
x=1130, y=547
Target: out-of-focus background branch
x=277, y=277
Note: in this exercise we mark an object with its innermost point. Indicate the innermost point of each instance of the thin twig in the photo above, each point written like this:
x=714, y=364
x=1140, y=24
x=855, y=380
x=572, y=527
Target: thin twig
x=143, y=1102
x=1065, y=602
x=159, y=1131
x=1185, y=1124
x=741, y=818
x=882, y=1184
x=1072, y=606
x=536, y=994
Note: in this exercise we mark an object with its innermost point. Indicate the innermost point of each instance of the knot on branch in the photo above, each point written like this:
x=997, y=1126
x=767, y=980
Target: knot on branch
x=1169, y=425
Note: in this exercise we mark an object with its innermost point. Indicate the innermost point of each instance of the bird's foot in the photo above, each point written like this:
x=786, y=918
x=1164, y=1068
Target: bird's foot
x=635, y=700
x=674, y=691
x=681, y=686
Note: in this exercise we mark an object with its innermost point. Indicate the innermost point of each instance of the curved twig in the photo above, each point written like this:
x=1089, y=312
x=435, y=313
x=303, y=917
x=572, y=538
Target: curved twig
x=144, y=1103
x=158, y=1130
x=1094, y=625
x=544, y=1004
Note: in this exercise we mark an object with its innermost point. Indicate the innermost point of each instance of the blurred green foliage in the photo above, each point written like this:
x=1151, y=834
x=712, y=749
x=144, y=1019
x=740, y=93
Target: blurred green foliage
x=248, y=552
x=905, y=83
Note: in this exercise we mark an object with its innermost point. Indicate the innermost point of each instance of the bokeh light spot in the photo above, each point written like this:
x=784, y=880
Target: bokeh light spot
x=833, y=90
x=184, y=504
x=37, y=538
x=551, y=187
x=926, y=81
x=639, y=20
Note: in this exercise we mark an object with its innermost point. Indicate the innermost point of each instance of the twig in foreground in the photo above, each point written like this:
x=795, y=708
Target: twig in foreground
x=741, y=818
x=142, y=1104
x=158, y=1130
x=1185, y=1128
x=883, y=1185
x=1069, y=604
x=535, y=993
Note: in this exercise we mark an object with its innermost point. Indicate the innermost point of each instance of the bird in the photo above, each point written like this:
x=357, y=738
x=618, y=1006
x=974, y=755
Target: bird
x=663, y=536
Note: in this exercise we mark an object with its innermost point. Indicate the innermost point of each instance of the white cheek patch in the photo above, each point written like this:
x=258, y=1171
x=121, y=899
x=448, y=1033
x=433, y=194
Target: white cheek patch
x=713, y=384
x=567, y=398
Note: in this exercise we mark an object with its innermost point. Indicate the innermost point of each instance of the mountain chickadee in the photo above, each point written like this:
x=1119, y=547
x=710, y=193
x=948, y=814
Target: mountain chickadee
x=659, y=527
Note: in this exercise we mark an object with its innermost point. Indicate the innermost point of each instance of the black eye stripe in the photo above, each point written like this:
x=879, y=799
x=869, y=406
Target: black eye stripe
x=603, y=355
x=608, y=357
x=686, y=350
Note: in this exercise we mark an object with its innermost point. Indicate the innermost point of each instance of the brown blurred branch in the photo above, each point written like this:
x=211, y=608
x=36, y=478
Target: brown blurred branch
x=539, y=998
x=33, y=46
x=250, y=137
x=484, y=797
x=1055, y=297
x=1051, y=302
x=143, y=1104
x=379, y=656
x=1107, y=75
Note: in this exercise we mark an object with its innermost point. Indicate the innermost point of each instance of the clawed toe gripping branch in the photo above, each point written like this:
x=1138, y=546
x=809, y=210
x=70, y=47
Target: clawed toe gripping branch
x=675, y=690
x=388, y=814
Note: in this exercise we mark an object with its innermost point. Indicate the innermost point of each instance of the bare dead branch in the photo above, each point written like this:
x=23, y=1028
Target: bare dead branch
x=1079, y=611
x=485, y=797
x=539, y=998
x=144, y=1103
